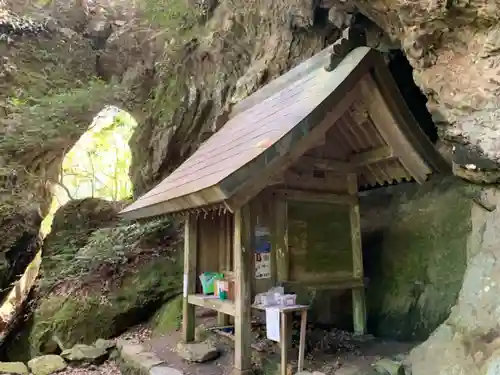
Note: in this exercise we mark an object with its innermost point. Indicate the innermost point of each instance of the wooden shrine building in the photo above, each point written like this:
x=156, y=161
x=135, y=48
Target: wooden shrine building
x=291, y=159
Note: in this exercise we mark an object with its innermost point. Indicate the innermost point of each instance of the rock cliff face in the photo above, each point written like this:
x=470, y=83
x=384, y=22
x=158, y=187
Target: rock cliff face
x=415, y=245
x=468, y=341
x=453, y=47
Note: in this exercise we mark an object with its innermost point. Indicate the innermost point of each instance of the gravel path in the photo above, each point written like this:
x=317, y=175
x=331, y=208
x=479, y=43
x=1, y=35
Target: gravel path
x=108, y=368
x=137, y=334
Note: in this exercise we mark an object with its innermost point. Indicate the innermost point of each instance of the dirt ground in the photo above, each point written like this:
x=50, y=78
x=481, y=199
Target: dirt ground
x=331, y=352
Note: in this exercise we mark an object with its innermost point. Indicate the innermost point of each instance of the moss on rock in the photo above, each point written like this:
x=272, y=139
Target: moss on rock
x=119, y=278
x=418, y=266
x=72, y=226
x=169, y=317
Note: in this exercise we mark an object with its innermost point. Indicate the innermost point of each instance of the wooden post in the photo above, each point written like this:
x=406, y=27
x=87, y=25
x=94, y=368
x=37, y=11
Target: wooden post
x=302, y=342
x=284, y=335
x=281, y=241
x=190, y=270
x=358, y=294
x=224, y=264
x=242, y=272
x=281, y=253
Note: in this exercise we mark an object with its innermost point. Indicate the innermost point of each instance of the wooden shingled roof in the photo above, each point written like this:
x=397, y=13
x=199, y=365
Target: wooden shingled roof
x=279, y=124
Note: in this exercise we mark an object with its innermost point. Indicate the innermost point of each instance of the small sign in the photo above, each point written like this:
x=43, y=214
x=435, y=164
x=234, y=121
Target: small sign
x=262, y=252
x=262, y=265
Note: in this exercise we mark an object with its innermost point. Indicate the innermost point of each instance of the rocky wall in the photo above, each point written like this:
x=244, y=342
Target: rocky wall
x=468, y=342
x=415, y=255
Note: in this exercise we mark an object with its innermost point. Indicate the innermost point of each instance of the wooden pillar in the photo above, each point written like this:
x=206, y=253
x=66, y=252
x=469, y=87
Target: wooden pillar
x=242, y=273
x=281, y=256
x=358, y=294
x=190, y=271
x=224, y=258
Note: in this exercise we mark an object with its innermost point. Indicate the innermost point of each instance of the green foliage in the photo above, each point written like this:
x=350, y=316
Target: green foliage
x=110, y=248
x=72, y=226
x=57, y=119
x=172, y=16
x=98, y=164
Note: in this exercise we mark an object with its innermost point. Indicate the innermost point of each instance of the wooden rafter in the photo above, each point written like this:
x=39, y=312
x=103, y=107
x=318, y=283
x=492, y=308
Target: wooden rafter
x=356, y=161
x=309, y=196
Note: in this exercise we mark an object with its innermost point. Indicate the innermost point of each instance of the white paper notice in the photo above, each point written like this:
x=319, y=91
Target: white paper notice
x=273, y=324
x=185, y=286
x=262, y=266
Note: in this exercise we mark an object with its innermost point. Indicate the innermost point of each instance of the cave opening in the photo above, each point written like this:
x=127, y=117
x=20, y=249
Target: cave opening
x=415, y=99
x=96, y=166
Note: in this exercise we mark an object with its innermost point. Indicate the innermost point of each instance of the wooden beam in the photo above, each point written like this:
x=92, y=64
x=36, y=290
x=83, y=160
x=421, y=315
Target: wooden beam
x=243, y=281
x=390, y=131
x=213, y=303
x=329, y=284
x=309, y=196
x=327, y=164
x=358, y=294
x=190, y=270
x=356, y=161
x=372, y=156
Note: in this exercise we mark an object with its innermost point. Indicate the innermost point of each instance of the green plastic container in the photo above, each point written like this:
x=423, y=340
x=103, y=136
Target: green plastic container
x=207, y=281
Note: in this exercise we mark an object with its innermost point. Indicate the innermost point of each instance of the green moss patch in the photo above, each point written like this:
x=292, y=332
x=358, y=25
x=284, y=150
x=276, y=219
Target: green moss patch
x=169, y=317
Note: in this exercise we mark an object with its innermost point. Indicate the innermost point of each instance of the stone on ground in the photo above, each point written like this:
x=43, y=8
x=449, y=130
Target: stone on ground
x=197, y=351
x=105, y=344
x=81, y=353
x=347, y=369
x=201, y=332
x=387, y=366
x=136, y=356
x=164, y=370
x=13, y=368
x=47, y=364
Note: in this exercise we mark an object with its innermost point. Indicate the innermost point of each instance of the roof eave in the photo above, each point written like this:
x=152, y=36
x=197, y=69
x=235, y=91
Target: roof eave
x=404, y=118
x=206, y=197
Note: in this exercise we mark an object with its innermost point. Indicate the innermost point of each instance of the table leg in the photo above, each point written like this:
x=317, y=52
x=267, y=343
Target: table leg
x=284, y=343
x=302, y=342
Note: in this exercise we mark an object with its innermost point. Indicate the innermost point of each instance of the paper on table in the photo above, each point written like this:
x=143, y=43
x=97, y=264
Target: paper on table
x=273, y=323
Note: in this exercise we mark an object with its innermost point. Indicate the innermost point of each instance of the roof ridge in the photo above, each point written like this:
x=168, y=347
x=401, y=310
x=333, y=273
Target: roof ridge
x=352, y=38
